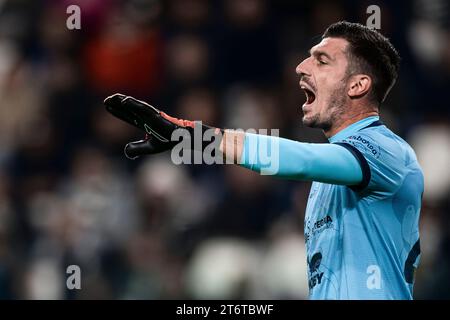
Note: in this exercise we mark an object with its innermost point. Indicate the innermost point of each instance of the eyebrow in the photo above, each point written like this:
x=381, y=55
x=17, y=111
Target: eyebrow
x=318, y=53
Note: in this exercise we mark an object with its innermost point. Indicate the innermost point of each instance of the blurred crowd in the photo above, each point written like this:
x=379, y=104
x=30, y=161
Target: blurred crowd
x=149, y=229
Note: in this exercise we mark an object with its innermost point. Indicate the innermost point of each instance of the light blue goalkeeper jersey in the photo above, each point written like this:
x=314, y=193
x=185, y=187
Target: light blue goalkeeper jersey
x=363, y=242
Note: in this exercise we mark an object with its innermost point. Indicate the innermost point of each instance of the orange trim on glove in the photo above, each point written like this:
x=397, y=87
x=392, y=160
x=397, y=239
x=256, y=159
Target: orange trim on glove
x=179, y=122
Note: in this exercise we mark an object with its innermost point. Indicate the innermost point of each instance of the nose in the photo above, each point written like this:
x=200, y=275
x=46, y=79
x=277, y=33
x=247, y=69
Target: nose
x=302, y=69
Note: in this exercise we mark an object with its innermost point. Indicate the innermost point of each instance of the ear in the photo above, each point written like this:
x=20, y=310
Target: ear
x=359, y=85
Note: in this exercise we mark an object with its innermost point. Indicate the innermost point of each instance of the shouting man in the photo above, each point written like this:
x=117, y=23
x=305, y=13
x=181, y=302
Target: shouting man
x=362, y=217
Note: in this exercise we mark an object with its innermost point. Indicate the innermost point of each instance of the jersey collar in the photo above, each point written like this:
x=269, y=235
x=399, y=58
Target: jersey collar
x=344, y=133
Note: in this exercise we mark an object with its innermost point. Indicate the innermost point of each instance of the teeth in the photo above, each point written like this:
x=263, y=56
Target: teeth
x=310, y=96
x=306, y=89
x=309, y=93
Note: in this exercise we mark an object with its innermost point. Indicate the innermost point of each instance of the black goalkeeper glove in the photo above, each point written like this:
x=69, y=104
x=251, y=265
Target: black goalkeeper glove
x=157, y=125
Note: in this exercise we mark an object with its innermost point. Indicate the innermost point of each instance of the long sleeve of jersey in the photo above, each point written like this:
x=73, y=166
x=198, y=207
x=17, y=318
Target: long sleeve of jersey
x=322, y=162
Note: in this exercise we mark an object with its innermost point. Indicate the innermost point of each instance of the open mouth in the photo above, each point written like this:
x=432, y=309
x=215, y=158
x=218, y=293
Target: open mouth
x=310, y=96
x=309, y=93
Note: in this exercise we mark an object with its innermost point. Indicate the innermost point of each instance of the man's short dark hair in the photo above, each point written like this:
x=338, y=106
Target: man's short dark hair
x=370, y=53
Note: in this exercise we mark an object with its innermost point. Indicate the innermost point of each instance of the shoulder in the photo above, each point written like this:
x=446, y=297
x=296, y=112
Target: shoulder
x=389, y=158
x=381, y=143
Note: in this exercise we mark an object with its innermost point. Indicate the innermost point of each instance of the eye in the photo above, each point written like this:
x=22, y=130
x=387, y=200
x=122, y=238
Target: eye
x=322, y=62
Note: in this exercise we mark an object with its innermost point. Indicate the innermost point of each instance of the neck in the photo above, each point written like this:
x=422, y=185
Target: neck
x=345, y=122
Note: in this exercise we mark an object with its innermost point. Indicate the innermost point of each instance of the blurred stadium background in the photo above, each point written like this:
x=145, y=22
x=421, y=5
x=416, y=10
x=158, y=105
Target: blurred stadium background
x=148, y=229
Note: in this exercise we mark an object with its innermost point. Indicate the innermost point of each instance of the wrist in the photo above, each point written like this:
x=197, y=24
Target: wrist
x=232, y=145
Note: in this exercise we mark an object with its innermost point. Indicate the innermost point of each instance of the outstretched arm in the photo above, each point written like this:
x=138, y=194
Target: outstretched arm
x=329, y=163
x=323, y=162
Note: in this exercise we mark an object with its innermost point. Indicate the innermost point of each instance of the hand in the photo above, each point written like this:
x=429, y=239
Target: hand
x=157, y=125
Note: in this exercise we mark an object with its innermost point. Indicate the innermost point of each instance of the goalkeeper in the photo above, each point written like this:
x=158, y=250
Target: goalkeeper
x=362, y=217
